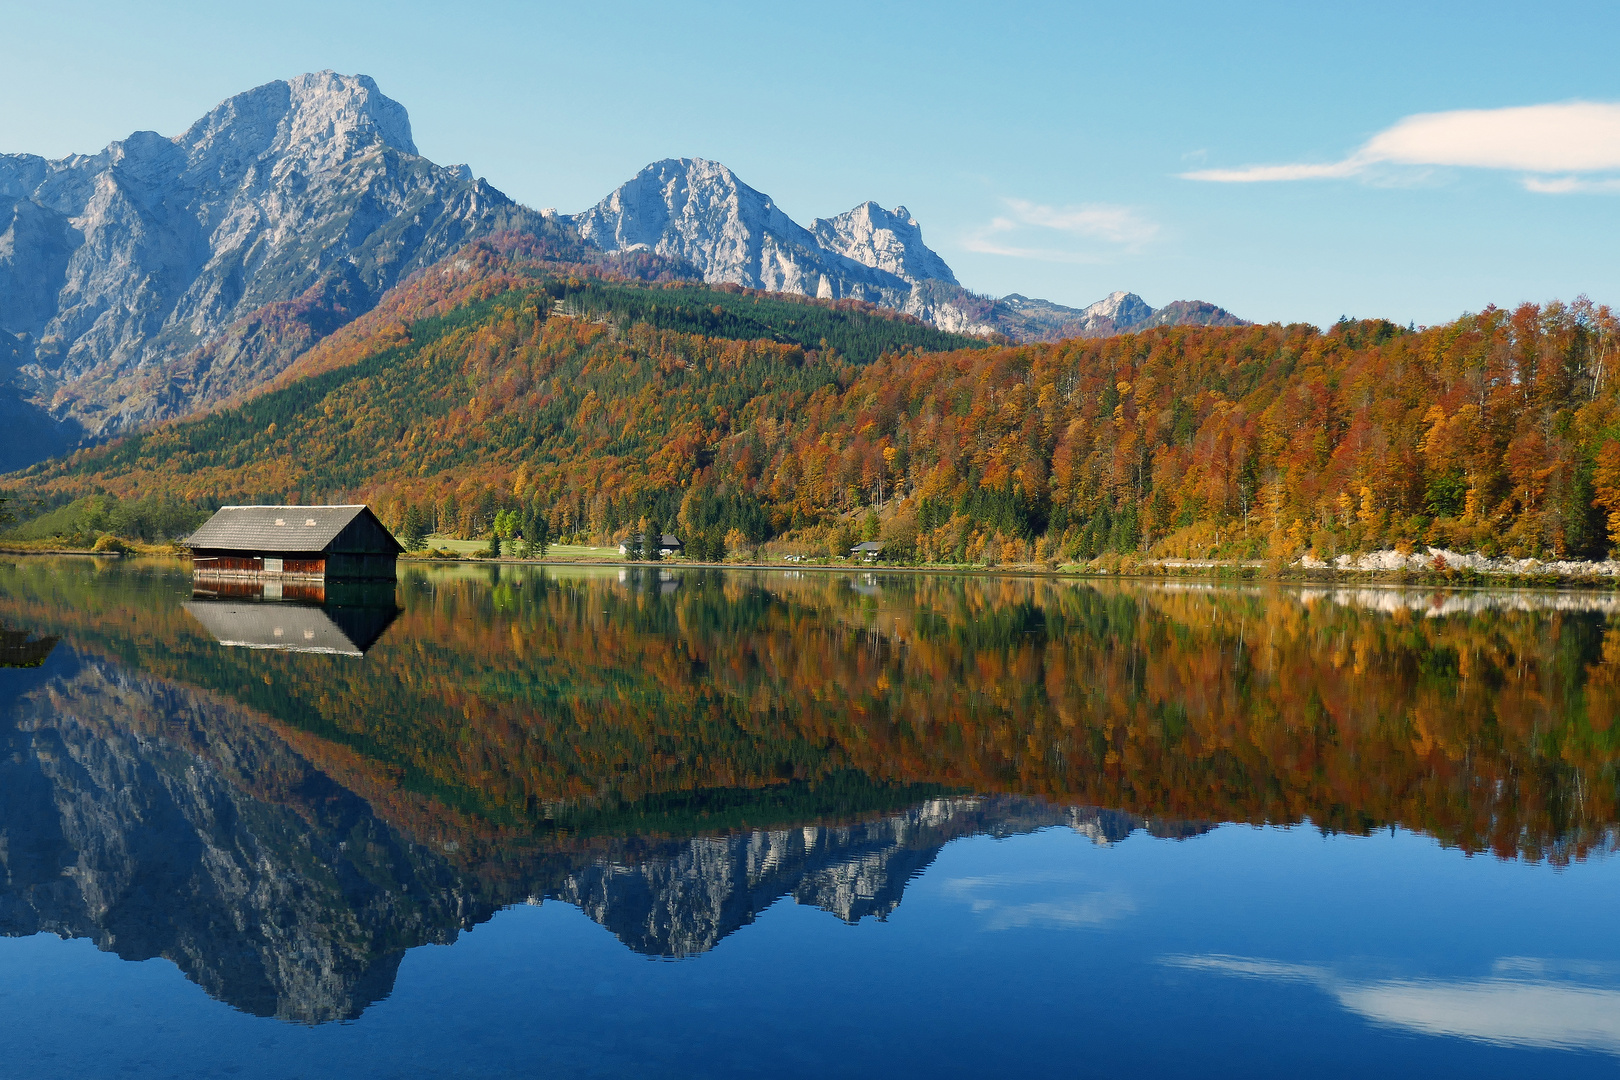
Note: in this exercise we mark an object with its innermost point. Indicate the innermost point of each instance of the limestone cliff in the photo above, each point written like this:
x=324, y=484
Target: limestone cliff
x=114, y=266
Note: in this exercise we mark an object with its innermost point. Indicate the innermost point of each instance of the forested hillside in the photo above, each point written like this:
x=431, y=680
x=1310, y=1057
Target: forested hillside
x=603, y=403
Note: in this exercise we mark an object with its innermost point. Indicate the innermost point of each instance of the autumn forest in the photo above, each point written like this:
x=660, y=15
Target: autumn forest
x=600, y=402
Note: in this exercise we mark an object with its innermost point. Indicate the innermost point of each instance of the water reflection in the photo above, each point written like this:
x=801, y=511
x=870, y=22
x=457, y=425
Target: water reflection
x=21, y=649
x=291, y=627
x=674, y=751
x=1521, y=1003
x=158, y=820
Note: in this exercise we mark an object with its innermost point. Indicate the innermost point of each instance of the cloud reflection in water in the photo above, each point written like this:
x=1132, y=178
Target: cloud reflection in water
x=1522, y=1003
x=988, y=896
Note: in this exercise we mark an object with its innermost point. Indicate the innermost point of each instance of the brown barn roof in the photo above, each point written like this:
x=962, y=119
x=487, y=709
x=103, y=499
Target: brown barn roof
x=275, y=528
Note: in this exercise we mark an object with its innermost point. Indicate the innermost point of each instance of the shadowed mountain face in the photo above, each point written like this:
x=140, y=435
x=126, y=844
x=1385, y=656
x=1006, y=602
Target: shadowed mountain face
x=674, y=755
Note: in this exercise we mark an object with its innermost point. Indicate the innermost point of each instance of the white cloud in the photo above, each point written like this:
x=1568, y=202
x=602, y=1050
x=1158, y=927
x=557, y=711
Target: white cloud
x=1522, y=1004
x=1572, y=138
x=1020, y=232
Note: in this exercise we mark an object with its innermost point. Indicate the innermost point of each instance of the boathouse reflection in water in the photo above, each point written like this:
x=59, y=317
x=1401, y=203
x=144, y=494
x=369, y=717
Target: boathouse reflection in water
x=344, y=619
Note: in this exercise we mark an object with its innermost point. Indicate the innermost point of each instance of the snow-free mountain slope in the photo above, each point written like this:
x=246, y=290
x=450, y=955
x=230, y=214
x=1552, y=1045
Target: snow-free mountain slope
x=1026, y=319
x=115, y=265
x=698, y=210
x=701, y=212
x=163, y=276
x=889, y=240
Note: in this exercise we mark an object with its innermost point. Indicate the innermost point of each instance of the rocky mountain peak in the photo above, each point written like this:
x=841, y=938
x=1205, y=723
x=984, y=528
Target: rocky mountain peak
x=1027, y=319
x=117, y=267
x=889, y=240
x=323, y=117
x=1120, y=308
x=699, y=211
x=694, y=209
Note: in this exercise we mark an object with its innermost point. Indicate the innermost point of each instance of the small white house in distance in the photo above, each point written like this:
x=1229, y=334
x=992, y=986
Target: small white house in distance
x=667, y=545
x=869, y=550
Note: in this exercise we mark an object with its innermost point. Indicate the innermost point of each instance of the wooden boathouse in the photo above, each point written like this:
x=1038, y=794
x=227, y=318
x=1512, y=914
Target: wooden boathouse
x=294, y=543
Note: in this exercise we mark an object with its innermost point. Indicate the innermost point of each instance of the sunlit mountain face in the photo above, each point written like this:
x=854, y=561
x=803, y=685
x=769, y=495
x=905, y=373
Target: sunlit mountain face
x=286, y=795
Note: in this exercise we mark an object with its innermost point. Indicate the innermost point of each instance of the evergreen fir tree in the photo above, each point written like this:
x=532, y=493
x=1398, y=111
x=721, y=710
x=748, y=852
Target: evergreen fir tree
x=415, y=528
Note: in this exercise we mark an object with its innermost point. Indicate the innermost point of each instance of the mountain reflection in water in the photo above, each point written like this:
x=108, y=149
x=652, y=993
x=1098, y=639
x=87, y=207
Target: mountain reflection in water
x=283, y=824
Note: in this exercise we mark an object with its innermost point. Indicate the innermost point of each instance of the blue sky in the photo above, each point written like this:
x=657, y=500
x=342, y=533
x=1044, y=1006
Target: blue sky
x=1057, y=150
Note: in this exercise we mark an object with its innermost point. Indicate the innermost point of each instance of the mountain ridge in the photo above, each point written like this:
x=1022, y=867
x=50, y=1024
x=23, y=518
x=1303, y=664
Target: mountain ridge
x=114, y=265
x=163, y=276
x=700, y=211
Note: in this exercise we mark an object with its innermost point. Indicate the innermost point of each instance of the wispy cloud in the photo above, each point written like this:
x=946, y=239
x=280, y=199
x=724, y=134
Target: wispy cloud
x=1571, y=185
x=1026, y=231
x=1541, y=141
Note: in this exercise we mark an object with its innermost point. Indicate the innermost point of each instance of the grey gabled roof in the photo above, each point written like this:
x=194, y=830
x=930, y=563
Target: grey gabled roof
x=869, y=545
x=273, y=528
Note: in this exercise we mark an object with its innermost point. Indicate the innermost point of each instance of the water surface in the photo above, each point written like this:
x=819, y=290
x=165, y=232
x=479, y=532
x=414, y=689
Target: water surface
x=518, y=821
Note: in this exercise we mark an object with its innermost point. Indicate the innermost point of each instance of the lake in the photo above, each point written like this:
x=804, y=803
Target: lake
x=517, y=821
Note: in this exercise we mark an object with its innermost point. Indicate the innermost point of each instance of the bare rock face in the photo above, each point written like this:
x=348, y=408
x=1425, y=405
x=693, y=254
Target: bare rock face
x=1026, y=319
x=1113, y=314
x=699, y=211
x=117, y=264
x=888, y=240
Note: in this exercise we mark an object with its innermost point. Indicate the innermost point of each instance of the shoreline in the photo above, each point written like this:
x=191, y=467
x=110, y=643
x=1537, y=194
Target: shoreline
x=1224, y=572
x=1217, y=571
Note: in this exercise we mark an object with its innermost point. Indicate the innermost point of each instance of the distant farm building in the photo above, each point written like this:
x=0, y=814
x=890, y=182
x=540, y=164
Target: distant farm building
x=667, y=545
x=869, y=550
x=294, y=543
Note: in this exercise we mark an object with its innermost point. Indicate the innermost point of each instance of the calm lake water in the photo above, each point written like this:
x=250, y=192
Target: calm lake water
x=507, y=821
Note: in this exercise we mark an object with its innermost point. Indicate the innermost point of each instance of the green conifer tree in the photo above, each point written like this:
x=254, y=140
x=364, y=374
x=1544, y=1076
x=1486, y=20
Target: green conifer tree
x=540, y=540
x=415, y=529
